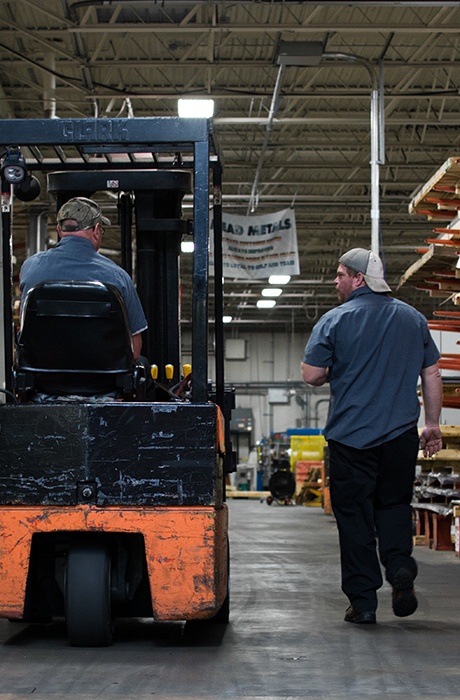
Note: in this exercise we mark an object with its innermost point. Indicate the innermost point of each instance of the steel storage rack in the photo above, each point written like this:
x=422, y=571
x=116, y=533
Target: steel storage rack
x=437, y=486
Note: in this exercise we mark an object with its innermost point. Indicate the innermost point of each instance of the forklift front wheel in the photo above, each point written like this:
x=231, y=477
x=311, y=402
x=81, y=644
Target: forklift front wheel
x=87, y=595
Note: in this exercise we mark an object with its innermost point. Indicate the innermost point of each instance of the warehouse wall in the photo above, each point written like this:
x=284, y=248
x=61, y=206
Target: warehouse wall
x=264, y=368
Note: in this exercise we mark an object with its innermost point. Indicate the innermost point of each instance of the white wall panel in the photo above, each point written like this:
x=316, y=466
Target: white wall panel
x=272, y=363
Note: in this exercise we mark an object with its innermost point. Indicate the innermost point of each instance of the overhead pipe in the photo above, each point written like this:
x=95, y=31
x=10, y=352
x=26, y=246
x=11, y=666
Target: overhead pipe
x=377, y=140
x=49, y=92
x=271, y=115
x=310, y=54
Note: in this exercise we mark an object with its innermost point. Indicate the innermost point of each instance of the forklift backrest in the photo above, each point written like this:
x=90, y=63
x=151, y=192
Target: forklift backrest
x=74, y=337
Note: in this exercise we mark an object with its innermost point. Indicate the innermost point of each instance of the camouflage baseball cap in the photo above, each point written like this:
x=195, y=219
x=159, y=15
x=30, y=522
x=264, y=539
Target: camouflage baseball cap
x=82, y=210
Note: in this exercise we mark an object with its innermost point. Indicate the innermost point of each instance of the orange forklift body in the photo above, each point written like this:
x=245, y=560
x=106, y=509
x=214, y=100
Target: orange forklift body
x=186, y=552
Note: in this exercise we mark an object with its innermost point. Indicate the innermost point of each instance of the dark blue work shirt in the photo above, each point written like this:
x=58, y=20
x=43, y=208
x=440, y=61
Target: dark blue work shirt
x=375, y=347
x=76, y=258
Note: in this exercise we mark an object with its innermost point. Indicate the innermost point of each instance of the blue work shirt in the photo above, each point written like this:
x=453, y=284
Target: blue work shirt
x=375, y=347
x=76, y=258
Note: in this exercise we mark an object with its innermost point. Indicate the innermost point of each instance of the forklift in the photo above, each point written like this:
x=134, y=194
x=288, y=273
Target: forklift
x=115, y=508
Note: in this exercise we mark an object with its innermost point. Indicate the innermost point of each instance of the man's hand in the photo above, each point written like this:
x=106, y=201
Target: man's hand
x=430, y=440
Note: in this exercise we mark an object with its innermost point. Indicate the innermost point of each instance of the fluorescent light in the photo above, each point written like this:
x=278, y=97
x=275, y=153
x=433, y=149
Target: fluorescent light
x=272, y=292
x=266, y=303
x=187, y=246
x=195, y=108
x=227, y=319
x=279, y=279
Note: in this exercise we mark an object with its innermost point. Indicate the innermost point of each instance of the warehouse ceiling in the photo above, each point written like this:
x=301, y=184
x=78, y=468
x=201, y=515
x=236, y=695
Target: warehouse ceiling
x=296, y=136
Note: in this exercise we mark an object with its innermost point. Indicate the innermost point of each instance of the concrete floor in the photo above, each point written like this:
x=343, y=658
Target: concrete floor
x=286, y=638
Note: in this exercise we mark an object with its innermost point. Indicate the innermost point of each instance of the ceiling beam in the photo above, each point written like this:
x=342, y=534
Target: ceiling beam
x=249, y=28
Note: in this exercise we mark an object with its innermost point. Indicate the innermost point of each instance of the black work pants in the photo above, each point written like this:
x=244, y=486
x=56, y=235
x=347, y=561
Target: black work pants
x=371, y=493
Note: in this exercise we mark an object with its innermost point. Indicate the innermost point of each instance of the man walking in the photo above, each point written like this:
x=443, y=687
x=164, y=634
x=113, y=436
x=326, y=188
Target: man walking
x=373, y=349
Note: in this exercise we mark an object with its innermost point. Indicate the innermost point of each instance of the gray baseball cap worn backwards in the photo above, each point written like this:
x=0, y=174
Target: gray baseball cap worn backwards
x=82, y=210
x=369, y=264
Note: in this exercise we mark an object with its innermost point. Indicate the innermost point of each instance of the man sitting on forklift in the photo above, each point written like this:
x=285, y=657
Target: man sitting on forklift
x=80, y=227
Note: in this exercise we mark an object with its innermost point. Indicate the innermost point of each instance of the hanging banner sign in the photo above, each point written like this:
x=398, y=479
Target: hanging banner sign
x=255, y=247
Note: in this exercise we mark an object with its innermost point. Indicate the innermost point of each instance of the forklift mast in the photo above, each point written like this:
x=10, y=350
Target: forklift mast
x=94, y=145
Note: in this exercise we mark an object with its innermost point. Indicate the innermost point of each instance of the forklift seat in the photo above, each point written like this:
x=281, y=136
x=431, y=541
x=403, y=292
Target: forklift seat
x=75, y=339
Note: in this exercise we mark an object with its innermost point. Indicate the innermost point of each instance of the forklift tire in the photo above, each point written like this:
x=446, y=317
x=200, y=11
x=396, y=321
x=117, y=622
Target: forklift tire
x=88, y=596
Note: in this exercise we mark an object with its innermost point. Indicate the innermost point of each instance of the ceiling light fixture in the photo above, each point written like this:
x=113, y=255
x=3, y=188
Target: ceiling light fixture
x=203, y=109
x=266, y=303
x=227, y=319
x=279, y=279
x=300, y=53
x=271, y=292
x=187, y=246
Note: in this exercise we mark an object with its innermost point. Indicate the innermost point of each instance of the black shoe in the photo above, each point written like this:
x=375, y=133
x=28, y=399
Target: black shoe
x=361, y=618
x=404, y=600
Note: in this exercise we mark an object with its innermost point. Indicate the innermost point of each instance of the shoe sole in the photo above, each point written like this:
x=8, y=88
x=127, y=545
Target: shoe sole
x=404, y=602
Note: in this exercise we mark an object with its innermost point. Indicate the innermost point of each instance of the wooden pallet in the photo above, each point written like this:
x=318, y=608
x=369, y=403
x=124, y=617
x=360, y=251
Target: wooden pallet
x=437, y=260
x=234, y=493
x=439, y=197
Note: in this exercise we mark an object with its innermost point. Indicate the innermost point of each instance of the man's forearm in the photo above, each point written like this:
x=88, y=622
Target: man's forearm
x=316, y=376
x=432, y=394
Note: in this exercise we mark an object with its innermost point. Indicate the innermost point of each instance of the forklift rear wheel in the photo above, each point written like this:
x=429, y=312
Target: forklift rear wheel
x=87, y=595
